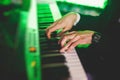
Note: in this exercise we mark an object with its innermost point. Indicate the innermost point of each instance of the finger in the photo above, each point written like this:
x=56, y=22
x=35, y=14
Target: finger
x=66, y=28
x=52, y=25
x=52, y=29
x=68, y=48
x=69, y=34
x=72, y=32
x=73, y=45
x=62, y=37
x=63, y=40
x=63, y=31
x=49, y=28
x=63, y=49
x=72, y=41
x=66, y=38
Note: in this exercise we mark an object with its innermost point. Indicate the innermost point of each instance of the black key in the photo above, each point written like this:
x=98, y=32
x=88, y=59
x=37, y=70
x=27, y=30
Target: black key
x=53, y=59
x=56, y=73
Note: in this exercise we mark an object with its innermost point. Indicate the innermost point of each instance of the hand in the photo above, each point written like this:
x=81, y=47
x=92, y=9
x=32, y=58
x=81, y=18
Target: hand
x=70, y=40
x=65, y=23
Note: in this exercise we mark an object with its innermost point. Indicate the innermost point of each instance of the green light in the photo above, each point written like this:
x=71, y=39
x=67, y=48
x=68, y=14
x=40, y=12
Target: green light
x=32, y=54
x=5, y=2
x=91, y=3
x=32, y=15
x=83, y=45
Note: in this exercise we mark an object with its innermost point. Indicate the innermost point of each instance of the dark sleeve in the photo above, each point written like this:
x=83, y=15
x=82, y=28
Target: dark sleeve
x=87, y=22
x=95, y=23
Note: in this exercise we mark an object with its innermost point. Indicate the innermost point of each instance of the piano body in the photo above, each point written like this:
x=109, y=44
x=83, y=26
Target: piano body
x=43, y=60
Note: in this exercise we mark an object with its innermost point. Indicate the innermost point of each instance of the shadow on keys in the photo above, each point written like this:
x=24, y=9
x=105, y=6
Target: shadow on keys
x=53, y=62
x=56, y=73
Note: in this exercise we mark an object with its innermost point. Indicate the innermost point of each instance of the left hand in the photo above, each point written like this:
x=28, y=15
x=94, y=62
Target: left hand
x=65, y=23
x=70, y=40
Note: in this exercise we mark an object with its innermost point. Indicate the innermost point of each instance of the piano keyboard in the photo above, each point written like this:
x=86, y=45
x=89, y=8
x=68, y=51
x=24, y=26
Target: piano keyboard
x=56, y=65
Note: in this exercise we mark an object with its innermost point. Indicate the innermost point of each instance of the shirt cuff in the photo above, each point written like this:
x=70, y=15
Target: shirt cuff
x=78, y=19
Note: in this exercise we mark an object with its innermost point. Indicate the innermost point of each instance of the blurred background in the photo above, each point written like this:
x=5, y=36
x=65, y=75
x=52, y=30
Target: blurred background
x=14, y=22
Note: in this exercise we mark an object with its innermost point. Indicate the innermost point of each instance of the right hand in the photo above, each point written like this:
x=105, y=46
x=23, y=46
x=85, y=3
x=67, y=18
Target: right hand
x=70, y=40
x=65, y=23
